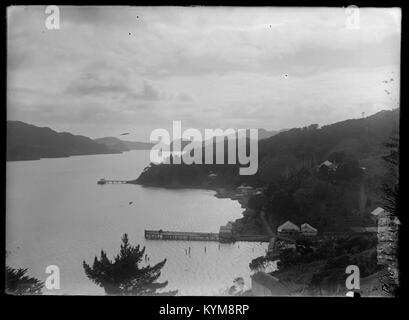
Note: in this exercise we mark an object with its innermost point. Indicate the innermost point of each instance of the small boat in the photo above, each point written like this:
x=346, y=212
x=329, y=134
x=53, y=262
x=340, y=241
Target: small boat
x=102, y=181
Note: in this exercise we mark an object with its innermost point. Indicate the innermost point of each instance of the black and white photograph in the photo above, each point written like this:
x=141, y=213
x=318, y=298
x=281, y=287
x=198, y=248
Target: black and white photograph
x=203, y=151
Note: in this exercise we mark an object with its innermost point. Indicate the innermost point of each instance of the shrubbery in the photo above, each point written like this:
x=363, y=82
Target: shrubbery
x=336, y=252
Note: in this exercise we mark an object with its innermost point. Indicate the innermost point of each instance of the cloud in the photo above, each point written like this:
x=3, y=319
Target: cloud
x=148, y=93
x=184, y=97
x=91, y=86
x=102, y=82
x=142, y=67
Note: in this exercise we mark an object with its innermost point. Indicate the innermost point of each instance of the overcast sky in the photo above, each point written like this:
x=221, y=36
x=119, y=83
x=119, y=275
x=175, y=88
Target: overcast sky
x=110, y=70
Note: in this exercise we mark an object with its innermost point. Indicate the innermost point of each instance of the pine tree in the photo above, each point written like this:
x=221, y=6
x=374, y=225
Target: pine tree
x=124, y=275
x=17, y=282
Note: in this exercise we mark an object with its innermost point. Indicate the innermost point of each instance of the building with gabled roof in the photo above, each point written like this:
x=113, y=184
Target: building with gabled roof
x=308, y=230
x=377, y=213
x=328, y=165
x=288, y=228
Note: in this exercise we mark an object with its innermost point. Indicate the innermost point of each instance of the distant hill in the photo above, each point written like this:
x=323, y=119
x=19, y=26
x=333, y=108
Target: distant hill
x=29, y=142
x=123, y=145
x=113, y=143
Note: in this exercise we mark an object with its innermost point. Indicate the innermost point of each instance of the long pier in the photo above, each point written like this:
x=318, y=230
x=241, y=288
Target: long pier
x=200, y=236
x=116, y=181
x=176, y=235
x=105, y=181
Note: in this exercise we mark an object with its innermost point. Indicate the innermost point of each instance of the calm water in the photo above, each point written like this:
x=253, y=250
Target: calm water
x=58, y=215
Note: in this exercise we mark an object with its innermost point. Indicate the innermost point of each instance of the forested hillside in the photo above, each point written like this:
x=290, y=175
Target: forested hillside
x=294, y=188
x=359, y=139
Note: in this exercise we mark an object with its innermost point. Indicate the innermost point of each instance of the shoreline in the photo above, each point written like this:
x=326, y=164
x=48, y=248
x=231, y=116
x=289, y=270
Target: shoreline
x=220, y=193
x=61, y=157
x=72, y=155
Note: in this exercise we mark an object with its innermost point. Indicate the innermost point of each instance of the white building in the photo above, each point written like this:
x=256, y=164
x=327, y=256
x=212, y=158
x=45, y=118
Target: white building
x=377, y=213
x=288, y=228
x=330, y=167
x=308, y=230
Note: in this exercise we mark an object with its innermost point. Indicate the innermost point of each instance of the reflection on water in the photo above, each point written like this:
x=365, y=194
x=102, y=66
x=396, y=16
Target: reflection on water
x=57, y=214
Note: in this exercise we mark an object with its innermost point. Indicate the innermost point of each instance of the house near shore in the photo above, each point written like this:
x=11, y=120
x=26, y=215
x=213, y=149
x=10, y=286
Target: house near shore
x=288, y=229
x=327, y=166
x=377, y=213
x=229, y=225
x=226, y=233
x=308, y=231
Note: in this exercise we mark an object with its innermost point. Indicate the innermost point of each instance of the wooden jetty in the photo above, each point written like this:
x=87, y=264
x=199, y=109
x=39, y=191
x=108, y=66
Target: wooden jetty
x=178, y=235
x=105, y=181
x=200, y=236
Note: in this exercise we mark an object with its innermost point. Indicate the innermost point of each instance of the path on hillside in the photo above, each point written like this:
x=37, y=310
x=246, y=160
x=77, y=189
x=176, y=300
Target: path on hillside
x=266, y=224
